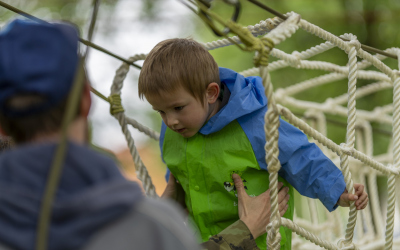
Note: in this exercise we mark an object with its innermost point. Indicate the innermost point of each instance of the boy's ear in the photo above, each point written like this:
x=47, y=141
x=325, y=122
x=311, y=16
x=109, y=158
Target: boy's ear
x=212, y=92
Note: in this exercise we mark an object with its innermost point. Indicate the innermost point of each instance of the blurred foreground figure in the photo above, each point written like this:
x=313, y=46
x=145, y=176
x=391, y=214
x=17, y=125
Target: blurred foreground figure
x=95, y=206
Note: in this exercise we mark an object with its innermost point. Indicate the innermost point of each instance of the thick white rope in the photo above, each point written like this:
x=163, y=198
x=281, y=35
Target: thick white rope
x=365, y=145
x=144, y=129
x=272, y=152
x=396, y=162
x=141, y=170
x=271, y=132
x=350, y=139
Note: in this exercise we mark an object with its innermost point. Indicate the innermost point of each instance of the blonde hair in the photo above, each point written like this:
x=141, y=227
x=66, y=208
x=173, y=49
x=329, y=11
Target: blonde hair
x=175, y=63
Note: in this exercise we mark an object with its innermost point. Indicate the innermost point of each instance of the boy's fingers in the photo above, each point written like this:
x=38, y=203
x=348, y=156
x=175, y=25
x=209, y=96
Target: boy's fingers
x=239, y=186
x=362, y=199
x=358, y=189
x=350, y=197
x=363, y=204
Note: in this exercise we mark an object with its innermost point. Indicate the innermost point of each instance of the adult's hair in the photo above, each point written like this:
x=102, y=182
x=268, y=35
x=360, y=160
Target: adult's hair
x=25, y=128
x=175, y=63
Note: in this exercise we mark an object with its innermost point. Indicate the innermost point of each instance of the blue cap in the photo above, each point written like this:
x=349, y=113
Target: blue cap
x=37, y=58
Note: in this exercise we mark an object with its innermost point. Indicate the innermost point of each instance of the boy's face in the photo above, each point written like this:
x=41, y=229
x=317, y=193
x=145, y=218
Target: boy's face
x=182, y=112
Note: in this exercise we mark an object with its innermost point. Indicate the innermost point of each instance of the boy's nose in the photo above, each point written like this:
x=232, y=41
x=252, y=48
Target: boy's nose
x=171, y=121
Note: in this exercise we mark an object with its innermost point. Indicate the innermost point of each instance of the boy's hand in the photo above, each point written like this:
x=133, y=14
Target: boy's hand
x=255, y=212
x=360, y=197
x=174, y=191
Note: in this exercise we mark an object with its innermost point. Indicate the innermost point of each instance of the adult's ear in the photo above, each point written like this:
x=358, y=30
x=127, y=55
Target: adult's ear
x=86, y=100
x=212, y=92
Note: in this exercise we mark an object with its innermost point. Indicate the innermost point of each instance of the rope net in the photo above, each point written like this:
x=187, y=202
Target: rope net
x=372, y=228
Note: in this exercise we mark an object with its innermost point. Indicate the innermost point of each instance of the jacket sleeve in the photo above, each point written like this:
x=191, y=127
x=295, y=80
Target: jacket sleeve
x=305, y=167
x=236, y=236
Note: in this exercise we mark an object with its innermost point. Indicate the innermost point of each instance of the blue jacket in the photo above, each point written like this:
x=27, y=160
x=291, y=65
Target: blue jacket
x=91, y=193
x=304, y=165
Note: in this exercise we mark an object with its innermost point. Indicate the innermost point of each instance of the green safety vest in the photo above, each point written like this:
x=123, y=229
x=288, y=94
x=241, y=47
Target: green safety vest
x=203, y=164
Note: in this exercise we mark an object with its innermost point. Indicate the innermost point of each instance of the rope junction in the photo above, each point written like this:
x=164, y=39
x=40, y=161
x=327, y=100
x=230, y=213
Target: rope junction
x=354, y=156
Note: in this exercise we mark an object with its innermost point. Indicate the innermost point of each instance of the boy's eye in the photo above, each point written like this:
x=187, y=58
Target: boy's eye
x=178, y=108
x=160, y=111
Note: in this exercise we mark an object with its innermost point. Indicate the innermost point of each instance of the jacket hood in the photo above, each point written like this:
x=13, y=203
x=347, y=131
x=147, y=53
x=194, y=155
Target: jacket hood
x=91, y=193
x=246, y=96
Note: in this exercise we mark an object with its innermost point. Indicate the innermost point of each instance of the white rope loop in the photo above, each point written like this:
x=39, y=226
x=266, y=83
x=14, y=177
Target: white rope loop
x=271, y=119
x=390, y=212
x=141, y=170
x=350, y=137
x=284, y=30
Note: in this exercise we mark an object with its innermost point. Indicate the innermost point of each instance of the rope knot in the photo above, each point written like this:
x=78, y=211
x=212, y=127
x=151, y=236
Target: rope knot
x=346, y=149
x=295, y=59
x=329, y=104
x=263, y=46
x=115, y=104
x=276, y=223
x=273, y=165
x=343, y=245
x=271, y=235
x=355, y=43
x=268, y=227
x=394, y=169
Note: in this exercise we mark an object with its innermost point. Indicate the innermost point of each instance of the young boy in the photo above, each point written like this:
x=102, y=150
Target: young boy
x=213, y=126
